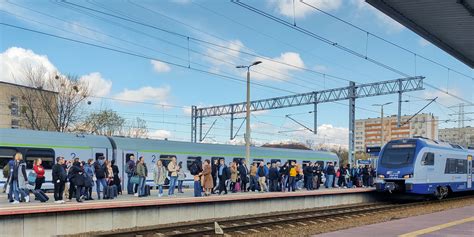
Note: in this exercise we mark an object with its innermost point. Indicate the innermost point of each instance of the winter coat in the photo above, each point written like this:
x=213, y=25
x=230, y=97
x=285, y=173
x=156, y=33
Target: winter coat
x=243, y=171
x=76, y=174
x=20, y=174
x=39, y=170
x=173, y=169
x=181, y=174
x=142, y=170
x=59, y=173
x=206, y=172
x=100, y=170
x=273, y=173
x=253, y=171
x=159, y=175
x=233, y=174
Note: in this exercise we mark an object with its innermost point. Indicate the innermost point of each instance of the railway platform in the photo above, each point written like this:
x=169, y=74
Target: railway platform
x=129, y=212
x=456, y=222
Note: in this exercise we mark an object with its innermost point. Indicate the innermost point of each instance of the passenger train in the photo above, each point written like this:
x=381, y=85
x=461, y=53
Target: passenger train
x=48, y=145
x=422, y=166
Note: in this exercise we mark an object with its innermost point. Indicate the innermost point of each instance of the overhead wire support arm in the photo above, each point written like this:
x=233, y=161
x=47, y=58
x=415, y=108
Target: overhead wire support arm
x=301, y=124
x=205, y=135
x=419, y=111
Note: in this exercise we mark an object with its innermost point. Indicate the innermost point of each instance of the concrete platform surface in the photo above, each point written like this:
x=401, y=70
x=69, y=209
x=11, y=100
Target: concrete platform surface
x=125, y=201
x=457, y=222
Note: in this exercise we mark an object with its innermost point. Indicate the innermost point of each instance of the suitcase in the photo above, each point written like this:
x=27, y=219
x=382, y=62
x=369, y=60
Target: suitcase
x=237, y=187
x=111, y=192
x=349, y=184
x=40, y=195
x=147, y=190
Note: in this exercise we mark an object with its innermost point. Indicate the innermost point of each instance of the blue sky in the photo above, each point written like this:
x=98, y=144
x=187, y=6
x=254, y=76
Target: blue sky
x=167, y=91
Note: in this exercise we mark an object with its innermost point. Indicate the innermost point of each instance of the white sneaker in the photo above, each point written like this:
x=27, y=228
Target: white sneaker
x=62, y=201
x=15, y=202
x=27, y=199
x=58, y=202
x=136, y=194
x=160, y=195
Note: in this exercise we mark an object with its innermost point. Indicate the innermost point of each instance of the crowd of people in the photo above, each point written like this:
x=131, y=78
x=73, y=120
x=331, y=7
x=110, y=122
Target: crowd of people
x=76, y=179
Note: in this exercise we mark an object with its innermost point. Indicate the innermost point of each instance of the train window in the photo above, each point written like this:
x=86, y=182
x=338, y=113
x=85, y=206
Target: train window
x=166, y=159
x=6, y=154
x=98, y=155
x=275, y=161
x=257, y=160
x=213, y=159
x=320, y=163
x=239, y=160
x=127, y=156
x=455, y=166
x=193, y=159
x=46, y=155
x=428, y=159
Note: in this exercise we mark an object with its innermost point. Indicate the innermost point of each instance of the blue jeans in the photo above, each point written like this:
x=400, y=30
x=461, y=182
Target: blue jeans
x=129, y=184
x=16, y=190
x=172, y=184
x=253, y=183
x=284, y=181
x=160, y=187
x=329, y=181
x=197, y=189
x=141, y=186
x=180, y=185
x=99, y=182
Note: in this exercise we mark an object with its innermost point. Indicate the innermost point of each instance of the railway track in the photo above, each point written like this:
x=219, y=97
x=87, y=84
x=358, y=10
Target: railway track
x=255, y=224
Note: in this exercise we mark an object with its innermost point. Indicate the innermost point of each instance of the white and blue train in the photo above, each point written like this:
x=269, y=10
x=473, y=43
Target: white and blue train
x=48, y=145
x=424, y=167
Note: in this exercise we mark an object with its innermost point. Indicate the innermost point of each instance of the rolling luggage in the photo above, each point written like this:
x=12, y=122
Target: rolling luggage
x=349, y=184
x=111, y=192
x=40, y=195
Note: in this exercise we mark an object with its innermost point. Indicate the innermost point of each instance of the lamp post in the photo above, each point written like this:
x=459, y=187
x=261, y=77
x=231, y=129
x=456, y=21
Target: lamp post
x=381, y=121
x=247, y=110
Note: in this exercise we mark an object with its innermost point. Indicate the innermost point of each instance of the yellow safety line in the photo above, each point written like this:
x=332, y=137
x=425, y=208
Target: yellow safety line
x=438, y=227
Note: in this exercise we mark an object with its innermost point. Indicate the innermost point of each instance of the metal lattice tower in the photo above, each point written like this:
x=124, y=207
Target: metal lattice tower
x=351, y=93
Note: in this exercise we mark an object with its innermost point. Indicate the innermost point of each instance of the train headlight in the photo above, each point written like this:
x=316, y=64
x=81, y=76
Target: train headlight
x=381, y=176
x=407, y=176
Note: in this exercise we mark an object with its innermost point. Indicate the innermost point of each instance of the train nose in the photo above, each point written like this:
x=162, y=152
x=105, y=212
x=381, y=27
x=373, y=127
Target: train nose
x=390, y=186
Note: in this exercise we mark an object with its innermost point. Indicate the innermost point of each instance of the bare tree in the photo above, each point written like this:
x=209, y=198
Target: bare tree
x=55, y=100
x=136, y=128
x=105, y=122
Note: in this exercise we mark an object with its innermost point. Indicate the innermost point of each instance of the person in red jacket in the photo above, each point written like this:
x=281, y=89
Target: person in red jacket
x=39, y=170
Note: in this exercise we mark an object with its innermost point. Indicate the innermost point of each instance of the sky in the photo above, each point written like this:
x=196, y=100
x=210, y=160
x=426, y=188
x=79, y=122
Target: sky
x=179, y=53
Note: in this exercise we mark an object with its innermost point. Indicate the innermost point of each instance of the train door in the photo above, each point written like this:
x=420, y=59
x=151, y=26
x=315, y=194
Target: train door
x=469, y=171
x=427, y=167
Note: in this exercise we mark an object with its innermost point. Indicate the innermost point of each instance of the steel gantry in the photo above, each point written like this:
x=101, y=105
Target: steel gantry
x=351, y=93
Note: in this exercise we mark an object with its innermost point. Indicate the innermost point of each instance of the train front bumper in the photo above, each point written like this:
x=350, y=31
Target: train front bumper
x=393, y=185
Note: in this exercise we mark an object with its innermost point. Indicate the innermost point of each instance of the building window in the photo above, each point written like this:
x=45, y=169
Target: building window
x=15, y=123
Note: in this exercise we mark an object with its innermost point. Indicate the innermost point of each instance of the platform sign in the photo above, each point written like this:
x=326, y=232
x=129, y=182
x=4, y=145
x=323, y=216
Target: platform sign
x=364, y=162
x=373, y=151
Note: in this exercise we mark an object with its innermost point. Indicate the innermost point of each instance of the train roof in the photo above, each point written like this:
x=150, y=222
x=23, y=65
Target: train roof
x=16, y=137
x=434, y=143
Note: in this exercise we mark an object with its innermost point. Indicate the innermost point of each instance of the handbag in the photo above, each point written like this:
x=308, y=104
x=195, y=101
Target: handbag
x=32, y=177
x=135, y=179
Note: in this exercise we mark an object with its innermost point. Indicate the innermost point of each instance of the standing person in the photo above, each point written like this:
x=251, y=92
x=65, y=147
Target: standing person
x=317, y=176
x=39, y=171
x=116, y=178
x=273, y=176
x=233, y=176
x=195, y=170
x=77, y=179
x=308, y=173
x=253, y=177
x=330, y=173
x=215, y=168
x=284, y=176
x=262, y=178
x=292, y=173
x=59, y=179
x=101, y=175
x=18, y=179
x=130, y=170
x=89, y=175
x=207, y=177
x=6, y=174
x=142, y=173
x=365, y=176
x=341, y=182
x=159, y=176
x=222, y=174
x=173, y=170
x=243, y=172
x=181, y=177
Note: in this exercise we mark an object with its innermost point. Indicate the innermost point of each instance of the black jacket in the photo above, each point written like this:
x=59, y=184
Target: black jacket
x=243, y=171
x=261, y=171
x=330, y=170
x=100, y=171
x=308, y=171
x=284, y=170
x=225, y=173
x=77, y=175
x=59, y=173
x=273, y=173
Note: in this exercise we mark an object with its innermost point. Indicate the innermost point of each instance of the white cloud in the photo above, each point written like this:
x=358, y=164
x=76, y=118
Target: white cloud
x=300, y=10
x=14, y=61
x=229, y=54
x=157, y=95
x=160, y=66
x=271, y=70
x=320, y=68
x=423, y=43
x=385, y=21
x=443, y=97
x=159, y=134
x=97, y=84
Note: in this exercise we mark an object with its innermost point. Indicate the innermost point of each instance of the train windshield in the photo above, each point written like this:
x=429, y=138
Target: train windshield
x=398, y=155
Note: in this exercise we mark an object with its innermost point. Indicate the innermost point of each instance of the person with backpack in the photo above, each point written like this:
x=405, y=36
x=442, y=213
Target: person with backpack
x=18, y=179
x=39, y=171
x=159, y=176
x=59, y=180
x=130, y=170
x=173, y=170
x=223, y=175
x=273, y=176
x=100, y=175
x=76, y=174
x=181, y=177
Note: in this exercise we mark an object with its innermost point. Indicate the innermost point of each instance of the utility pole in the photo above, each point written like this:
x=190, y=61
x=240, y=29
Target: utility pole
x=247, y=112
x=382, y=140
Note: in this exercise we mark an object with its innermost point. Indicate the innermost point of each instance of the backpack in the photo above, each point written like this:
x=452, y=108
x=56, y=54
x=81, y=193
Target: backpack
x=6, y=171
x=194, y=169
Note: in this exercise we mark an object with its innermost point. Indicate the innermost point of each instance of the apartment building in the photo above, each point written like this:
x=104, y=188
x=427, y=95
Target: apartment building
x=368, y=132
x=461, y=136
